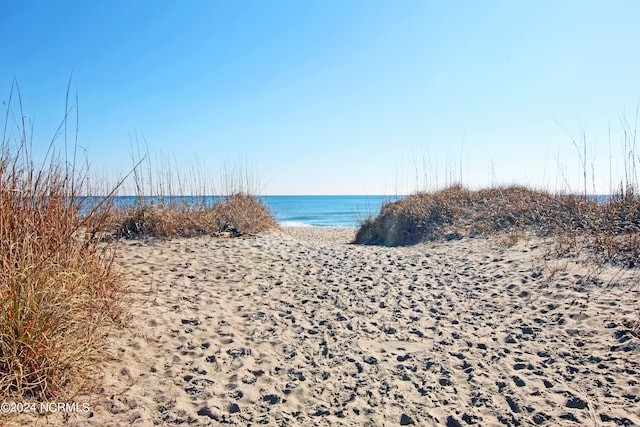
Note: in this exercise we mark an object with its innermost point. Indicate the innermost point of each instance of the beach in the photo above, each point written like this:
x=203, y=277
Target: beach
x=298, y=327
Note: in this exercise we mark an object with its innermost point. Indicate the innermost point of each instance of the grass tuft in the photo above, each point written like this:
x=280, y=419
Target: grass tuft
x=238, y=214
x=610, y=229
x=59, y=291
x=243, y=213
x=171, y=203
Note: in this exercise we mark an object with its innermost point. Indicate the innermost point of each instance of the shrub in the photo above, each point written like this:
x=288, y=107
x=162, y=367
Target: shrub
x=457, y=211
x=240, y=213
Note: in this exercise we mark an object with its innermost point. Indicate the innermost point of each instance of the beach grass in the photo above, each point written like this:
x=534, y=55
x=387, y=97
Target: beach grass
x=170, y=204
x=609, y=228
x=60, y=294
x=237, y=214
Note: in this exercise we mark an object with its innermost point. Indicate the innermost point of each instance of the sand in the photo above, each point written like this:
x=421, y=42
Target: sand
x=301, y=328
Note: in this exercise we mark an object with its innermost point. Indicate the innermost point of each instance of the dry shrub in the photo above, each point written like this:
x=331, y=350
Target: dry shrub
x=164, y=221
x=59, y=292
x=609, y=229
x=242, y=213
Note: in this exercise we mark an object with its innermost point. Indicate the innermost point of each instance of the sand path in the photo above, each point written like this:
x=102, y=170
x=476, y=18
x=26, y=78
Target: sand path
x=302, y=328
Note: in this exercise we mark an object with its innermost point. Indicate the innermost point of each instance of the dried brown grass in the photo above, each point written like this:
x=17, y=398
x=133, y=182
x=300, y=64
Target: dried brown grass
x=239, y=213
x=59, y=292
x=171, y=201
x=244, y=213
x=611, y=230
x=458, y=211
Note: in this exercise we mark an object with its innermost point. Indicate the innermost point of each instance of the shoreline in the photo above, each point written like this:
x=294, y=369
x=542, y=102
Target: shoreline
x=299, y=327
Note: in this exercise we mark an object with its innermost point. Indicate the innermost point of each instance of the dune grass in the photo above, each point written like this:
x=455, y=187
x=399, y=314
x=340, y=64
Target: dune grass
x=611, y=229
x=166, y=208
x=59, y=291
x=238, y=214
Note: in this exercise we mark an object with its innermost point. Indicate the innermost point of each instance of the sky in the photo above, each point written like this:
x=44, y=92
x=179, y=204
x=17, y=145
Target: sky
x=334, y=97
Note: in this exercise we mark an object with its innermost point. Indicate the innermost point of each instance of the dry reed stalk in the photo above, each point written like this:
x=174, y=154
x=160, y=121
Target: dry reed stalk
x=172, y=204
x=59, y=292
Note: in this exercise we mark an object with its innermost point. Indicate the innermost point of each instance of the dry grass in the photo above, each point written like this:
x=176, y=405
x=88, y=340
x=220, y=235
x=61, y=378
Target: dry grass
x=237, y=214
x=162, y=221
x=457, y=211
x=611, y=229
x=173, y=201
x=617, y=239
x=59, y=292
x=242, y=212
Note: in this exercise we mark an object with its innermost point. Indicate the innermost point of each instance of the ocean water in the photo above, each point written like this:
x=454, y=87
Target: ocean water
x=293, y=211
x=324, y=211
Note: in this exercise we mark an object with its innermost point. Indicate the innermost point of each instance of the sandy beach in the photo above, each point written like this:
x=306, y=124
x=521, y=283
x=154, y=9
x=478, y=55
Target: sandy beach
x=300, y=328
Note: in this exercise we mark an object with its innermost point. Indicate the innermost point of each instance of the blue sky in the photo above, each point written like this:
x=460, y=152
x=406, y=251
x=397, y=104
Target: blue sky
x=336, y=97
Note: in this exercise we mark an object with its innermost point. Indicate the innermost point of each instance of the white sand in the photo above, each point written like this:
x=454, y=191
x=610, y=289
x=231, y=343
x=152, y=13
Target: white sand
x=301, y=328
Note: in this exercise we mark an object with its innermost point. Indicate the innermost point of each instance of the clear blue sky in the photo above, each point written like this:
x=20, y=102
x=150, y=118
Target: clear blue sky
x=336, y=97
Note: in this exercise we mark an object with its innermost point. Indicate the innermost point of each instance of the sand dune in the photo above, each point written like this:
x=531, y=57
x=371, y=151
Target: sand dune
x=301, y=328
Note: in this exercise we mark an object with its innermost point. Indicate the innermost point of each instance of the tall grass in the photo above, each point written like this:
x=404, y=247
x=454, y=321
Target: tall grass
x=610, y=229
x=172, y=203
x=59, y=291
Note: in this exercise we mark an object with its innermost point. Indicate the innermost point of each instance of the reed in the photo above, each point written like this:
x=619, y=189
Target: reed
x=170, y=203
x=60, y=295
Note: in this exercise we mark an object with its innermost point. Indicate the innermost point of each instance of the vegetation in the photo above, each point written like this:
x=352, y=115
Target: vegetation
x=238, y=214
x=59, y=291
x=61, y=295
x=610, y=228
x=165, y=207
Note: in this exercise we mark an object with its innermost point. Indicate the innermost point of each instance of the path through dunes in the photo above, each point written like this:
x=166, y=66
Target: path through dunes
x=301, y=328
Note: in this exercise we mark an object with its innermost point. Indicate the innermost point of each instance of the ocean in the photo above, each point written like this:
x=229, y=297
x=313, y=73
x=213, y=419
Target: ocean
x=324, y=211
x=294, y=211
